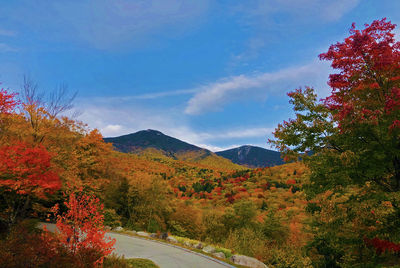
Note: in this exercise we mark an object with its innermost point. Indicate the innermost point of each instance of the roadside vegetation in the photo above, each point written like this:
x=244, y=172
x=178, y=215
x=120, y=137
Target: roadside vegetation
x=114, y=261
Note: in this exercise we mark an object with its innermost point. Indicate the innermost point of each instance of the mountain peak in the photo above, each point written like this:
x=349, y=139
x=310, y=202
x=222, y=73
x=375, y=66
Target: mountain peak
x=151, y=138
x=252, y=156
x=153, y=131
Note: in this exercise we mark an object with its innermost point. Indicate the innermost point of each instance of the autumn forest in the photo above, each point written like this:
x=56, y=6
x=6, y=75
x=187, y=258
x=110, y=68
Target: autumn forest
x=334, y=203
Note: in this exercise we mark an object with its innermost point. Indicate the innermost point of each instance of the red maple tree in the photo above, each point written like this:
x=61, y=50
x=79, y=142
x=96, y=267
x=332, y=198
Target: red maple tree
x=81, y=228
x=366, y=90
x=25, y=172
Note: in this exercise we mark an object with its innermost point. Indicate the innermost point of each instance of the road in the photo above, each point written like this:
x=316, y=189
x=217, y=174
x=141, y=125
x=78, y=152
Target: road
x=164, y=255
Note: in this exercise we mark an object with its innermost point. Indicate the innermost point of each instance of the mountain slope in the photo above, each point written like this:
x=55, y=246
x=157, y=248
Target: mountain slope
x=252, y=156
x=151, y=139
x=154, y=143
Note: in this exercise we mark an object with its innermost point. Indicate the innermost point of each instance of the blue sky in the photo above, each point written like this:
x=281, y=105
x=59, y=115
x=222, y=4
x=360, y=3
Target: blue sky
x=212, y=73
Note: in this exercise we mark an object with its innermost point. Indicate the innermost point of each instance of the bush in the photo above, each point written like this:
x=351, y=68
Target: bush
x=273, y=229
x=215, y=230
x=25, y=247
x=111, y=218
x=114, y=261
x=240, y=216
x=177, y=229
x=186, y=222
x=287, y=257
x=153, y=226
x=247, y=241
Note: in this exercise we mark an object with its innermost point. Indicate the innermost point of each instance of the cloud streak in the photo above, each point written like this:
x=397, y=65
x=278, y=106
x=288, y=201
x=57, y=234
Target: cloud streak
x=213, y=96
x=105, y=24
x=6, y=48
x=325, y=10
x=149, y=96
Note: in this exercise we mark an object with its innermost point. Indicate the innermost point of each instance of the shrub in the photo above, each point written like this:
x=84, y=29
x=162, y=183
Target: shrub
x=247, y=241
x=111, y=218
x=81, y=229
x=186, y=222
x=27, y=247
x=115, y=261
x=287, y=257
x=215, y=230
x=274, y=230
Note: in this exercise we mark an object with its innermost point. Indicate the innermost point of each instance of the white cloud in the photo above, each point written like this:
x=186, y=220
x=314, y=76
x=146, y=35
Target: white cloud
x=111, y=130
x=213, y=96
x=238, y=133
x=6, y=48
x=149, y=96
x=213, y=148
x=157, y=95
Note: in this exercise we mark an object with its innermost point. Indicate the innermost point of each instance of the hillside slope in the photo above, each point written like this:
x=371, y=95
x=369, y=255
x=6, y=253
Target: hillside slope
x=252, y=156
x=154, y=143
x=151, y=139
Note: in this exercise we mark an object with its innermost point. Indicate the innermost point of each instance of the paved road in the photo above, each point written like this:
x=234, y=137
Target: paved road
x=164, y=255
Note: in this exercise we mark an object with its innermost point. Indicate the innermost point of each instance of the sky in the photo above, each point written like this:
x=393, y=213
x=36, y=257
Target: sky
x=211, y=73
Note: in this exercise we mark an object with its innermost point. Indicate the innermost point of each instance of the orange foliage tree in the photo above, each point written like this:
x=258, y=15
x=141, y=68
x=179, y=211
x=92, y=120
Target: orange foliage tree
x=26, y=171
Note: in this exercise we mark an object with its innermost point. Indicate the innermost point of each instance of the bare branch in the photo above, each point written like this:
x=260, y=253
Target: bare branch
x=60, y=100
x=30, y=92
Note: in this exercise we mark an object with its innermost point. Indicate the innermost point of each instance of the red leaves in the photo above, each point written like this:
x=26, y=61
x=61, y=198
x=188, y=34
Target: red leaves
x=7, y=102
x=368, y=62
x=26, y=169
x=382, y=246
x=291, y=181
x=81, y=227
x=396, y=124
x=392, y=101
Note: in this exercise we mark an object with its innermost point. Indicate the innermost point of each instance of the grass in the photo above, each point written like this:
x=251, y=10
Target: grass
x=115, y=261
x=141, y=263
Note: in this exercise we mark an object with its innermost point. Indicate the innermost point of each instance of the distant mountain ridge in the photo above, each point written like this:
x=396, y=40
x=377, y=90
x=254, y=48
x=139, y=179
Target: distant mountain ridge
x=252, y=156
x=141, y=141
x=154, y=144
x=151, y=139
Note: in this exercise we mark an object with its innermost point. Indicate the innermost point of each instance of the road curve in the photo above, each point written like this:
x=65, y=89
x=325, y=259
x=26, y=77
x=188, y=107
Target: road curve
x=164, y=255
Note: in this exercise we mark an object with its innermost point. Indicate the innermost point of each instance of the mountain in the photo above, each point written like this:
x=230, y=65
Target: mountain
x=153, y=144
x=252, y=156
x=151, y=139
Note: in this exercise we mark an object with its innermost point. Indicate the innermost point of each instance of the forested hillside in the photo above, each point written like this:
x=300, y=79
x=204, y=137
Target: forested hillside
x=153, y=142
x=252, y=156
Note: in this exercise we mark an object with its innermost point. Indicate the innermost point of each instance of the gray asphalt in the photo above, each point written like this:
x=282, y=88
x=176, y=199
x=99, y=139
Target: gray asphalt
x=164, y=255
